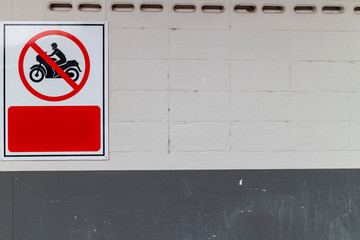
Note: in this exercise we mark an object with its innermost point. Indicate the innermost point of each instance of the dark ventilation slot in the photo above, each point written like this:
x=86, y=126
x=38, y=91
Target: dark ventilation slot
x=305, y=9
x=245, y=8
x=273, y=9
x=184, y=8
x=122, y=7
x=151, y=7
x=212, y=8
x=333, y=9
x=60, y=6
x=357, y=10
x=89, y=7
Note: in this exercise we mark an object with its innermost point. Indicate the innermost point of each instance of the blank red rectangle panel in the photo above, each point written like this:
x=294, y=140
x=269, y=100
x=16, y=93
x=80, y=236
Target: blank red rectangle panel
x=54, y=128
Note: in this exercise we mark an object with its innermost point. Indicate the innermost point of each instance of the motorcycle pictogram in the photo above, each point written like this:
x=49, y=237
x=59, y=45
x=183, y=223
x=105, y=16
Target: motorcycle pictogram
x=43, y=70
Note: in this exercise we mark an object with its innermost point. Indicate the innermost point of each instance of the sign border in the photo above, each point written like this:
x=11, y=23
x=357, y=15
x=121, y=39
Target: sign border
x=73, y=156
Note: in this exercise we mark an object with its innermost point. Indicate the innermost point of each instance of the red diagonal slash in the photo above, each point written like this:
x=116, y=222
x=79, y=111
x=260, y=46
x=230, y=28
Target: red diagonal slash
x=52, y=64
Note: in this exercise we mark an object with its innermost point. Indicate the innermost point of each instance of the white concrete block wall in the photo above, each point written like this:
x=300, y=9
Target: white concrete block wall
x=323, y=76
x=260, y=106
x=32, y=10
x=225, y=90
x=260, y=136
x=128, y=75
x=325, y=136
x=5, y=10
x=138, y=44
x=211, y=75
x=138, y=136
x=199, y=106
x=320, y=107
x=137, y=19
x=355, y=107
x=260, y=75
x=199, y=137
x=320, y=46
x=139, y=106
x=355, y=77
x=271, y=45
x=199, y=19
x=195, y=44
x=260, y=21
x=74, y=15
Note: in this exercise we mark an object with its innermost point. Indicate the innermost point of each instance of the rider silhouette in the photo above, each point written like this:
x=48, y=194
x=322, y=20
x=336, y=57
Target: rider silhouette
x=58, y=53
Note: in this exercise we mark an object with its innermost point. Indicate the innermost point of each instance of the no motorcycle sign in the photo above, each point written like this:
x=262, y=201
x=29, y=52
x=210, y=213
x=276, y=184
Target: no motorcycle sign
x=54, y=91
x=68, y=70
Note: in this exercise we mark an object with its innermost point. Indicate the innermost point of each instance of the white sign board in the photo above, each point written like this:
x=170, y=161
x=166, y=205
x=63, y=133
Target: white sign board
x=55, y=91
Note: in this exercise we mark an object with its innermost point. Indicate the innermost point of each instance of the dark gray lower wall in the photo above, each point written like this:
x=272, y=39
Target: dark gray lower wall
x=5, y=206
x=181, y=205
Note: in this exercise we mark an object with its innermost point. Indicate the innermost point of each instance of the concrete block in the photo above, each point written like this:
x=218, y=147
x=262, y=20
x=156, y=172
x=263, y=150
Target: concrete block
x=259, y=136
x=260, y=45
x=199, y=44
x=120, y=17
x=77, y=13
x=199, y=19
x=199, y=106
x=139, y=106
x=319, y=136
x=260, y=75
x=320, y=107
x=199, y=137
x=305, y=20
x=259, y=19
x=355, y=136
x=229, y=160
x=5, y=10
x=324, y=159
x=337, y=21
x=139, y=75
x=139, y=43
x=199, y=75
x=355, y=77
x=354, y=21
x=29, y=10
x=320, y=76
x=324, y=46
x=355, y=107
x=139, y=137
x=61, y=13
x=354, y=45
x=261, y=106
x=6, y=166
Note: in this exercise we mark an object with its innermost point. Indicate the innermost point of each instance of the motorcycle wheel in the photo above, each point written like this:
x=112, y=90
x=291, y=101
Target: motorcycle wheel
x=36, y=75
x=73, y=73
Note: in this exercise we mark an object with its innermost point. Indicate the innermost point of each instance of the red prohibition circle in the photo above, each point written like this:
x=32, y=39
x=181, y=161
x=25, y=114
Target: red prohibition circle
x=31, y=43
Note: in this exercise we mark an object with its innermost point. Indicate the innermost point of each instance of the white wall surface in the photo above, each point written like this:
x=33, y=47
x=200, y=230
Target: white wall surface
x=223, y=90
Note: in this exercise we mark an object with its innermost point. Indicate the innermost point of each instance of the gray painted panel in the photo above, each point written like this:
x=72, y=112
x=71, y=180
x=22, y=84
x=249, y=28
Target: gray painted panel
x=5, y=206
x=188, y=205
